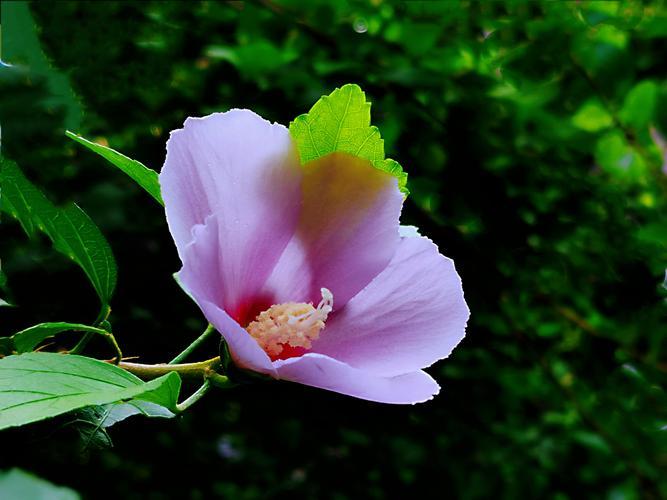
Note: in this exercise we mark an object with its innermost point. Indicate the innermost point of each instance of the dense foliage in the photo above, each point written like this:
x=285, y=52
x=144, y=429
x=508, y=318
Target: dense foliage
x=533, y=135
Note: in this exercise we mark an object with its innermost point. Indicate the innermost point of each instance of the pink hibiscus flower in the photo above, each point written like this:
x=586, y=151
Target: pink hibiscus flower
x=302, y=268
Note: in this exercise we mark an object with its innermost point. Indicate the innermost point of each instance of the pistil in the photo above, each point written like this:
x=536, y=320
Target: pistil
x=287, y=329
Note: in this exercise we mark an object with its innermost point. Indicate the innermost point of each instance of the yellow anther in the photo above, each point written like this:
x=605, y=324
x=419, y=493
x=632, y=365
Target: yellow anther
x=294, y=324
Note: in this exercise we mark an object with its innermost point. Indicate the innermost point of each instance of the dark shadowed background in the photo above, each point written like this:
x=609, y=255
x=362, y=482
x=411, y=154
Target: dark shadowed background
x=534, y=137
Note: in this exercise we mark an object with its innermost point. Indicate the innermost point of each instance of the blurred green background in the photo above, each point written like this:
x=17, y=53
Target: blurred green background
x=534, y=137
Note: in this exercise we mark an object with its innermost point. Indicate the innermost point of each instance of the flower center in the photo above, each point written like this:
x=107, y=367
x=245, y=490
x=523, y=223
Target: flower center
x=285, y=330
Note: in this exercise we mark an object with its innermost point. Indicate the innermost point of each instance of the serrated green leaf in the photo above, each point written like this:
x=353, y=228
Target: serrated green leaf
x=16, y=484
x=110, y=414
x=137, y=171
x=40, y=385
x=26, y=340
x=118, y=412
x=92, y=422
x=72, y=232
x=341, y=122
x=92, y=435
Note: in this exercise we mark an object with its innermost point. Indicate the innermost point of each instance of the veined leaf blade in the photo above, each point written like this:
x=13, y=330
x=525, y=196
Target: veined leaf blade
x=341, y=122
x=26, y=340
x=137, y=171
x=72, y=232
x=40, y=385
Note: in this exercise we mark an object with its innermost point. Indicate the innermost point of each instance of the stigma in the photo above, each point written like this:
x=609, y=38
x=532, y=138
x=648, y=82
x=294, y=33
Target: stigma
x=289, y=329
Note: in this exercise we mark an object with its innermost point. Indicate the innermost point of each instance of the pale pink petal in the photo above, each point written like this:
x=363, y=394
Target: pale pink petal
x=200, y=276
x=326, y=373
x=347, y=233
x=245, y=351
x=408, y=317
x=244, y=170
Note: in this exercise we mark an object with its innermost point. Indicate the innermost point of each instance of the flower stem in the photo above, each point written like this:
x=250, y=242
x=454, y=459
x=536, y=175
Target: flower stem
x=196, y=396
x=205, y=370
x=202, y=369
x=189, y=349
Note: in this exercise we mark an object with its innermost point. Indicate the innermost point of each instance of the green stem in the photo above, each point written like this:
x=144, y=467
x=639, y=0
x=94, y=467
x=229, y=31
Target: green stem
x=112, y=341
x=81, y=344
x=220, y=381
x=202, y=369
x=196, y=396
x=189, y=349
x=90, y=331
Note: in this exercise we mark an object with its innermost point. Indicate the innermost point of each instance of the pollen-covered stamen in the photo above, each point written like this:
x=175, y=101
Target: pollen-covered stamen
x=293, y=324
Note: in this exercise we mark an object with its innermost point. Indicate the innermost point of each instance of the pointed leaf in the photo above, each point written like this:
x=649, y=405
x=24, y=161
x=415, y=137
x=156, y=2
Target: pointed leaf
x=142, y=175
x=72, y=232
x=341, y=121
x=26, y=340
x=16, y=484
x=40, y=385
x=92, y=422
x=639, y=106
x=117, y=412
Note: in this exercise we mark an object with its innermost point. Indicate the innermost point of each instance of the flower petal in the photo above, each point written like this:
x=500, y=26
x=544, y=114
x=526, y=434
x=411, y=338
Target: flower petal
x=411, y=315
x=347, y=233
x=326, y=373
x=201, y=277
x=245, y=350
x=244, y=170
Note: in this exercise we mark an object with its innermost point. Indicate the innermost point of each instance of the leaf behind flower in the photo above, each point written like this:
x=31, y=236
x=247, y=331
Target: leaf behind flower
x=341, y=122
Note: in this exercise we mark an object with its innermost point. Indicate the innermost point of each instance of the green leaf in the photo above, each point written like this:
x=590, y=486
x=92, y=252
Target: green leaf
x=142, y=175
x=21, y=47
x=341, y=121
x=40, y=385
x=623, y=14
x=26, y=340
x=16, y=484
x=254, y=59
x=117, y=412
x=72, y=232
x=592, y=117
x=3, y=284
x=92, y=422
x=618, y=158
x=639, y=105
